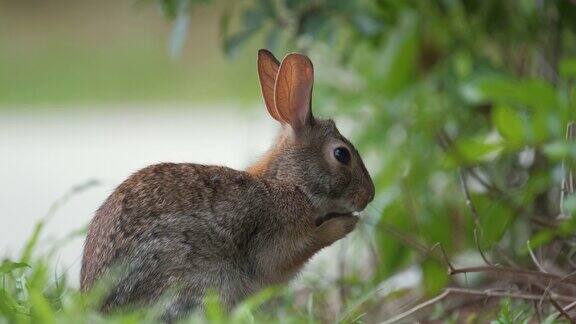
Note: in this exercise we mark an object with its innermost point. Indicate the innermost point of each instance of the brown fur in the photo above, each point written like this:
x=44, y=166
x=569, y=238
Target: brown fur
x=184, y=229
x=263, y=165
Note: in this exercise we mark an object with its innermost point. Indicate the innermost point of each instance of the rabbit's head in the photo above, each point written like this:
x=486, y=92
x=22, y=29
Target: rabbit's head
x=310, y=152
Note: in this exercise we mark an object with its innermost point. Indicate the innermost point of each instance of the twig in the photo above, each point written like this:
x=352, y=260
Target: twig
x=536, y=305
x=569, y=307
x=516, y=273
x=543, y=222
x=470, y=292
x=488, y=185
x=491, y=293
x=469, y=202
x=477, y=241
x=551, y=284
x=446, y=260
x=566, y=309
x=559, y=308
x=417, y=308
x=571, y=136
x=476, y=217
x=538, y=265
x=570, y=257
x=567, y=186
x=359, y=303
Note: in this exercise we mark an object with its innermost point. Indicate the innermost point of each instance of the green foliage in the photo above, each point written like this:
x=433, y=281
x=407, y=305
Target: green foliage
x=512, y=315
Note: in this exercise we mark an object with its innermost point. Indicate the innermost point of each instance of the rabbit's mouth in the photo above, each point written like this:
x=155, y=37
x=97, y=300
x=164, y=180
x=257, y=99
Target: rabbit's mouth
x=329, y=216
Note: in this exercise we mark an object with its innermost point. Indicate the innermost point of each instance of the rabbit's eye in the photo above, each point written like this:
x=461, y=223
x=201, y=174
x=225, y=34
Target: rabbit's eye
x=342, y=155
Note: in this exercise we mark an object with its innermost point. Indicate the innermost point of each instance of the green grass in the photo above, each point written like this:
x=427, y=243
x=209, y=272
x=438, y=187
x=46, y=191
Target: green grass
x=117, y=54
x=76, y=75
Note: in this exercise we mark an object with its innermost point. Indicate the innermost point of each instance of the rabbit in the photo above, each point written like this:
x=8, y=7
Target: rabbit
x=172, y=232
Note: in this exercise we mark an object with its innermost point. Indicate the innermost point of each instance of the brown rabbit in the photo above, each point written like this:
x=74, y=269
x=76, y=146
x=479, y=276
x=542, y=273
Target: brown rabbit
x=180, y=230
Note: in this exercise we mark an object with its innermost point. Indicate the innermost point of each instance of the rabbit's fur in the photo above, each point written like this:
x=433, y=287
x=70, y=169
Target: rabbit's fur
x=181, y=230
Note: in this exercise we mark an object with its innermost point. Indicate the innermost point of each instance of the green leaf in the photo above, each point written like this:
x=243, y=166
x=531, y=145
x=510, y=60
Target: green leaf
x=559, y=150
x=568, y=68
x=509, y=124
x=567, y=14
x=473, y=150
x=551, y=319
x=497, y=89
x=495, y=219
x=31, y=243
x=214, y=311
x=541, y=238
x=397, y=253
x=261, y=297
x=8, y=266
x=396, y=64
x=8, y=305
x=245, y=311
x=435, y=276
x=41, y=310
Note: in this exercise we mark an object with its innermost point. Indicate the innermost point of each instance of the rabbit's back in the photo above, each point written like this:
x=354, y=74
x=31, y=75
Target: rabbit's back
x=170, y=221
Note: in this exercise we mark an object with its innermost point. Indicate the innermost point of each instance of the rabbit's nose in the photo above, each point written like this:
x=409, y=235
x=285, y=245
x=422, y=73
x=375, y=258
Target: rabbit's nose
x=370, y=190
x=364, y=198
x=369, y=193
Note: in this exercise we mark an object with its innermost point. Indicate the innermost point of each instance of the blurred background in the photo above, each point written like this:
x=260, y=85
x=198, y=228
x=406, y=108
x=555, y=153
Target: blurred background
x=461, y=109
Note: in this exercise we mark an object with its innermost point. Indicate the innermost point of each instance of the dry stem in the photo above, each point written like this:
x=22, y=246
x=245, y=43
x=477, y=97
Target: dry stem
x=473, y=292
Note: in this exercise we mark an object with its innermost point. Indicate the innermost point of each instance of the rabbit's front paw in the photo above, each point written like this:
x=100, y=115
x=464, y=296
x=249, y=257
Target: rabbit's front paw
x=334, y=229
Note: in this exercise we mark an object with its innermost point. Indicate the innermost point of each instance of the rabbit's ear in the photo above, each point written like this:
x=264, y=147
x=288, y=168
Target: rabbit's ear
x=267, y=71
x=293, y=90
